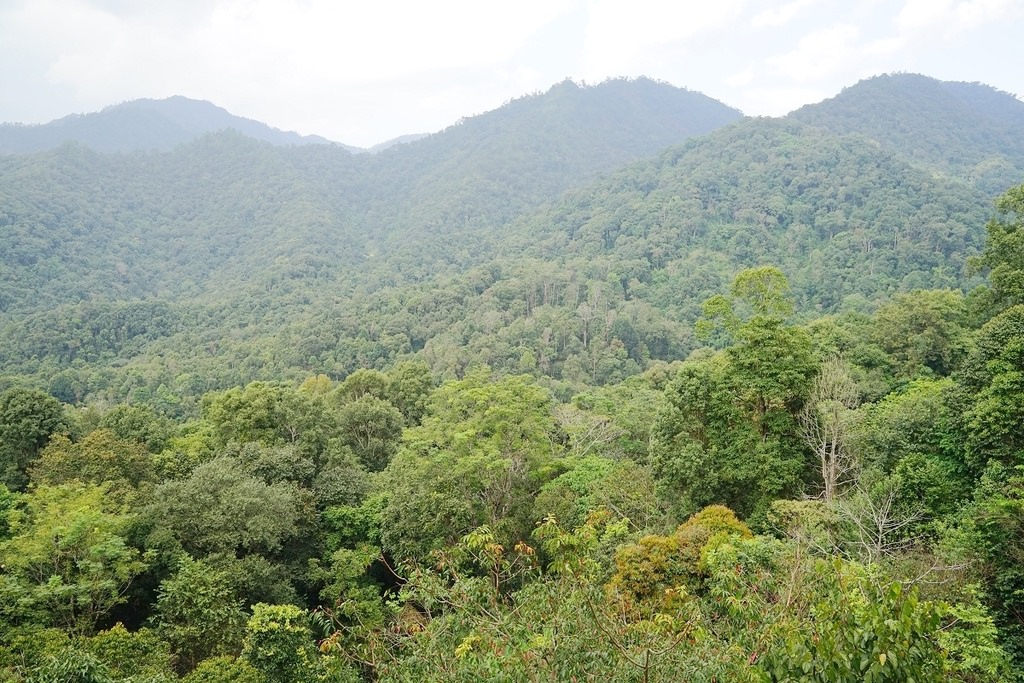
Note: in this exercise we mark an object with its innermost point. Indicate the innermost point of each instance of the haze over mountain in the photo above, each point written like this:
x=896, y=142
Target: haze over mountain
x=144, y=124
x=229, y=259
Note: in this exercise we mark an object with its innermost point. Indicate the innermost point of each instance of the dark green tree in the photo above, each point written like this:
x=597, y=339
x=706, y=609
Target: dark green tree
x=28, y=417
x=372, y=428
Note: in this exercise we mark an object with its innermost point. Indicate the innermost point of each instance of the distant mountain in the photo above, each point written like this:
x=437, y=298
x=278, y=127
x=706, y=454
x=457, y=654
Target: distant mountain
x=968, y=130
x=143, y=124
x=214, y=213
x=487, y=169
x=572, y=233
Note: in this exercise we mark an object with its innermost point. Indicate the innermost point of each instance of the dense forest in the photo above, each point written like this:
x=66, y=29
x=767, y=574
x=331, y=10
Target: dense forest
x=609, y=384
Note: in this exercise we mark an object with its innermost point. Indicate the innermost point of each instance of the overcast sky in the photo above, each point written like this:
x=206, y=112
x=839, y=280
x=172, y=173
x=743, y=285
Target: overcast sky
x=363, y=72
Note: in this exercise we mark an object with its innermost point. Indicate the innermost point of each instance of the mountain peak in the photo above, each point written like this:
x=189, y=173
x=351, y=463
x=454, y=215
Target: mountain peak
x=969, y=130
x=143, y=124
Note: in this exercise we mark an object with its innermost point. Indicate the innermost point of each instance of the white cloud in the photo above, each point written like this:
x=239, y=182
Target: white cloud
x=361, y=72
x=741, y=78
x=258, y=57
x=623, y=37
x=780, y=16
x=779, y=100
x=949, y=17
x=367, y=42
x=885, y=47
x=818, y=54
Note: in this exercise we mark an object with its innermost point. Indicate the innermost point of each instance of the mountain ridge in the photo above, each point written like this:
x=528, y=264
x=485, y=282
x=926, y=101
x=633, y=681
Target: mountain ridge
x=161, y=124
x=580, y=227
x=144, y=124
x=969, y=130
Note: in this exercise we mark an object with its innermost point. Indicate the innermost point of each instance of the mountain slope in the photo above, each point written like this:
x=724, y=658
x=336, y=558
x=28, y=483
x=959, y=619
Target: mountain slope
x=968, y=130
x=219, y=212
x=517, y=238
x=488, y=169
x=840, y=216
x=143, y=124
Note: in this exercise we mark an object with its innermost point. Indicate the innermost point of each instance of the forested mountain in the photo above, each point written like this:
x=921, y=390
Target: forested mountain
x=140, y=125
x=243, y=205
x=968, y=130
x=236, y=258
x=839, y=216
x=607, y=384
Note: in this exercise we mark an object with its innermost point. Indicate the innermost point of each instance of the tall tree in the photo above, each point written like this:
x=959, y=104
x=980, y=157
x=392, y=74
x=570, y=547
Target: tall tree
x=481, y=453
x=1004, y=249
x=28, y=417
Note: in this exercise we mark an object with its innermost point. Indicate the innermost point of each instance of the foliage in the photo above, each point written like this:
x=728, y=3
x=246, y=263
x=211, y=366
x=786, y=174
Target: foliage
x=1003, y=249
x=224, y=669
x=138, y=655
x=99, y=458
x=228, y=261
x=138, y=423
x=222, y=509
x=989, y=531
x=923, y=331
x=729, y=433
x=483, y=449
x=28, y=418
x=279, y=643
x=864, y=632
x=67, y=561
x=371, y=427
x=197, y=613
x=265, y=432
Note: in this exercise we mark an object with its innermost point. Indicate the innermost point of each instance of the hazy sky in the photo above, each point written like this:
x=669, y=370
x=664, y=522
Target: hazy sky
x=363, y=72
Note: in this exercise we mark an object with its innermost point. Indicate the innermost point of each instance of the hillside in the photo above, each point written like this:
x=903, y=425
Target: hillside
x=572, y=234
x=608, y=384
x=841, y=218
x=144, y=124
x=211, y=214
x=968, y=130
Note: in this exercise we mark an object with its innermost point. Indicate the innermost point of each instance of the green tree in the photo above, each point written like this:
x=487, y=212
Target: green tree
x=67, y=561
x=271, y=414
x=224, y=669
x=924, y=331
x=729, y=432
x=990, y=533
x=483, y=450
x=140, y=424
x=372, y=428
x=409, y=386
x=130, y=655
x=362, y=382
x=702, y=441
x=765, y=290
x=990, y=392
x=100, y=457
x=862, y=631
x=220, y=508
x=198, y=614
x=1003, y=255
x=28, y=417
x=279, y=643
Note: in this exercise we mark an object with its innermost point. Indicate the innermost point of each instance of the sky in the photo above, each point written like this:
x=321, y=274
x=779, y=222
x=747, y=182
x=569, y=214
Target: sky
x=365, y=72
